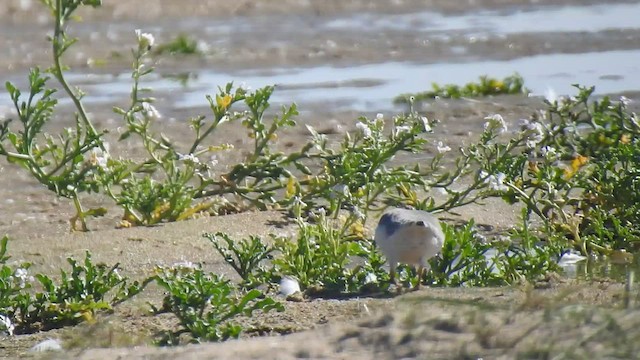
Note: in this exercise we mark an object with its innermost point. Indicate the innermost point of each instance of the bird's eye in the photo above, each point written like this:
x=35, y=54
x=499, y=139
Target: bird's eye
x=420, y=223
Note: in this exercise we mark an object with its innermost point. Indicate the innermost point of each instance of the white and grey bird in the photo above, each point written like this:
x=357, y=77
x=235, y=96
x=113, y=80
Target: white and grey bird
x=409, y=236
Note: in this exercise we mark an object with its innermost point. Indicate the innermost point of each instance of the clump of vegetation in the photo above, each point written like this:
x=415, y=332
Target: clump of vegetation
x=486, y=86
x=180, y=45
x=327, y=259
x=578, y=172
x=206, y=305
x=81, y=293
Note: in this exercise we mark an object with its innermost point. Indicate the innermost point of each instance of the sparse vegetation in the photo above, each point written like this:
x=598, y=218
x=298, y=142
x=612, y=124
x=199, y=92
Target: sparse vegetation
x=180, y=45
x=486, y=86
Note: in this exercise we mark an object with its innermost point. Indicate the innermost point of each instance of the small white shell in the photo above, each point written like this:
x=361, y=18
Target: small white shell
x=370, y=278
x=47, y=345
x=289, y=285
x=571, y=258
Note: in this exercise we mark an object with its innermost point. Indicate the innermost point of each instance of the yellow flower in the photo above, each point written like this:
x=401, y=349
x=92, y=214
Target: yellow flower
x=357, y=229
x=496, y=84
x=291, y=187
x=625, y=139
x=578, y=162
x=224, y=101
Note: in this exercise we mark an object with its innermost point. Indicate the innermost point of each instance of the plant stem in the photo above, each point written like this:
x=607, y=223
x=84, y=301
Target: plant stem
x=58, y=50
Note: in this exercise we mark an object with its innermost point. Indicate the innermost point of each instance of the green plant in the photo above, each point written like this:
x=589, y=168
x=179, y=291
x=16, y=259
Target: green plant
x=606, y=141
x=87, y=289
x=246, y=256
x=465, y=259
x=60, y=163
x=206, y=305
x=357, y=173
x=78, y=296
x=361, y=174
x=527, y=255
x=180, y=45
x=486, y=86
x=574, y=166
x=13, y=283
x=321, y=256
x=171, y=185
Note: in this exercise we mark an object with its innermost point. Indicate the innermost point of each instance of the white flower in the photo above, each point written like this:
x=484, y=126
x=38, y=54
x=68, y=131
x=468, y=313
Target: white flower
x=214, y=160
x=145, y=40
x=480, y=238
x=320, y=214
x=425, y=123
x=364, y=130
x=297, y=202
x=442, y=148
x=150, y=112
x=380, y=120
x=6, y=324
x=402, y=129
x=22, y=275
x=189, y=159
x=495, y=123
x=496, y=182
x=99, y=157
x=533, y=131
x=551, y=95
x=116, y=272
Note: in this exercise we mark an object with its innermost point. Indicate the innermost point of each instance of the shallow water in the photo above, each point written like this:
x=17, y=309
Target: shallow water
x=508, y=21
x=374, y=86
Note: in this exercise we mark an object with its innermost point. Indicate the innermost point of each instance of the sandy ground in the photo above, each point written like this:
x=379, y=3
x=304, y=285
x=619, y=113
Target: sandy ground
x=559, y=317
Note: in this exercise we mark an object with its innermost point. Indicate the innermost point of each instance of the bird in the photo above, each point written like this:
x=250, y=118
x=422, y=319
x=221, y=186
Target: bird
x=409, y=236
